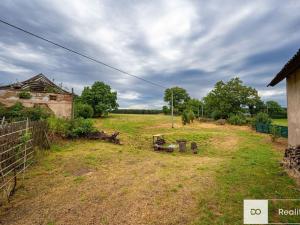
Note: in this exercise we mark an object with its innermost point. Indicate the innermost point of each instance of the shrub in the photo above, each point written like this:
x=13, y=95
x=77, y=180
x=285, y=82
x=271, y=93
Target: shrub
x=216, y=115
x=262, y=118
x=191, y=116
x=166, y=110
x=185, y=118
x=19, y=112
x=35, y=113
x=237, y=119
x=15, y=112
x=84, y=110
x=249, y=120
x=80, y=127
x=24, y=95
x=58, y=126
x=275, y=133
x=71, y=128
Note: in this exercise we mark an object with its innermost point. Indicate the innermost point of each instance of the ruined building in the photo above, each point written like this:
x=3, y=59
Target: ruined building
x=38, y=91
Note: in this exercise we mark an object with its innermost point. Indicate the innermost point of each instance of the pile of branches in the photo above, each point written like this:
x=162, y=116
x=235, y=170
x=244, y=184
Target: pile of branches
x=101, y=135
x=291, y=158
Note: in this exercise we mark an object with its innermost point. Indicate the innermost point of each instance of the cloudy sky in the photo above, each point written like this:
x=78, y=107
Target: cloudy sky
x=191, y=44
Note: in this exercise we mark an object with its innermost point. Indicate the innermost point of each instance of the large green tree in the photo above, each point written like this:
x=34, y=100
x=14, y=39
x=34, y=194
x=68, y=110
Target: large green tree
x=273, y=108
x=231, y=98
x=180, y=96
x=100, y=96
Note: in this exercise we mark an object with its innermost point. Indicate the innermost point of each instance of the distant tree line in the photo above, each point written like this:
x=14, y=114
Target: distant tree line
x=137, y=111
x=230, y=100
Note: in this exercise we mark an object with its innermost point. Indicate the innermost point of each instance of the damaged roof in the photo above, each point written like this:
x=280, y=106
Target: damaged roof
x=290, y=67
x=38, y=83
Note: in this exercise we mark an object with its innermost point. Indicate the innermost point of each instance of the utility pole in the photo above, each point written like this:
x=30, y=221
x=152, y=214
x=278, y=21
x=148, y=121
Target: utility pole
x=172, y=108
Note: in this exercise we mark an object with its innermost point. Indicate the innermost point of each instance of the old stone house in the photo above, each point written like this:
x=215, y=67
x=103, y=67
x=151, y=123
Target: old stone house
x=38, y=91
x=291, y=72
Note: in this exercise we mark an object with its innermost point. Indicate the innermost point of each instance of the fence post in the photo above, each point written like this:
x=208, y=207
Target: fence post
x=25, y=150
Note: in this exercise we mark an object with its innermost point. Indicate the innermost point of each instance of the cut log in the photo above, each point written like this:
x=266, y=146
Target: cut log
x=106, y=137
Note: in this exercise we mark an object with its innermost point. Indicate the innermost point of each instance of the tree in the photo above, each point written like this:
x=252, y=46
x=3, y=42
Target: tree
x=231, y=98
x=100, y=97
x=180, y=98
x=195, y=106
x=273, y=108
x=166, y=110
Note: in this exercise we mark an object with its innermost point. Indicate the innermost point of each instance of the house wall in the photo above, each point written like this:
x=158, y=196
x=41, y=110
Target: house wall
x=293, y=98
x=61, y=107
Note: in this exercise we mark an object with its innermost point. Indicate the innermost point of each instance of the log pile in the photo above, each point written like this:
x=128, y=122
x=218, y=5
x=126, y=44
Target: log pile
x=100, y=135
x=158, y=146
x=291, y=158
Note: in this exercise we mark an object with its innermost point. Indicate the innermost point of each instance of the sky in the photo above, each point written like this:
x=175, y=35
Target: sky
x=187, y=43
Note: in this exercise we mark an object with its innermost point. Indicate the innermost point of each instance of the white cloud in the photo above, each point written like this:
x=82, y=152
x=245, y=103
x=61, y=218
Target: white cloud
x=129, y=95
x=152, y=39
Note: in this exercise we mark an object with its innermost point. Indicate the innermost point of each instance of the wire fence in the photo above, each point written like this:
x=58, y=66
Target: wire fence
x=282, y=131
x=18, y=141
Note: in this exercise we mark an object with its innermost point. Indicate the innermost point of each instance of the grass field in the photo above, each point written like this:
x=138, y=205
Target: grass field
x=92, y=182
x=281, y=122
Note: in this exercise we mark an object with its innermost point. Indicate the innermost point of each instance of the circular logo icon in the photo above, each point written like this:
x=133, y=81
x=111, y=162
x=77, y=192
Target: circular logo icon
x=255, y=212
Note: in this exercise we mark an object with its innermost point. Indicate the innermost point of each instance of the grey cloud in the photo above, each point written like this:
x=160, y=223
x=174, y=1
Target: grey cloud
x=192, y=44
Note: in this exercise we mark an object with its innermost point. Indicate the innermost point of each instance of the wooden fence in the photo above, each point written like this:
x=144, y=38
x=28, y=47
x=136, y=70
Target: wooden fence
x=17, y=144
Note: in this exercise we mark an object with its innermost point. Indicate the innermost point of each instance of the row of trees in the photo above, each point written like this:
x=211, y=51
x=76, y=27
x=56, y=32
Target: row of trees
x=226, y=99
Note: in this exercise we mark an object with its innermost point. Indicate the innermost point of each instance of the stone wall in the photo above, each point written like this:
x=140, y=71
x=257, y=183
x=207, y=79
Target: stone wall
x=293, y=98
x=60, y=104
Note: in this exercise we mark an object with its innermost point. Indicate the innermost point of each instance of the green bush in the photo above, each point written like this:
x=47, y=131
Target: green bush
x=19, y=112
x=58, y=126
x=15, y=112
x=191, y=116
x=275, y=133
x=80, y=127
x=237, y=119
x=24, y=95
x=83, y=110
x=35, y=113
x=71, y=128
x=187, y=116
x=166, y=110
x=262, y=118
x=216, y=115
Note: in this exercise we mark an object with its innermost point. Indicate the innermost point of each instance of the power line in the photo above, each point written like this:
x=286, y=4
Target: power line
x=80, y=54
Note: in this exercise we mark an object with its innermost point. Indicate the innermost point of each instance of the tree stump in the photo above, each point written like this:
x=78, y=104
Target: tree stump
x=194, y=147
x=182, y=145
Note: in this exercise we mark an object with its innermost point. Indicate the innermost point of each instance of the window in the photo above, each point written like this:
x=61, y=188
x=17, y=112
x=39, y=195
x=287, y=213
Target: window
x=53, y=97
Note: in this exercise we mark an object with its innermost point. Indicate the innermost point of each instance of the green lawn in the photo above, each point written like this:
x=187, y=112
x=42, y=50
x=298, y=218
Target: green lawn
x=92, y=182
x=280, y=122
